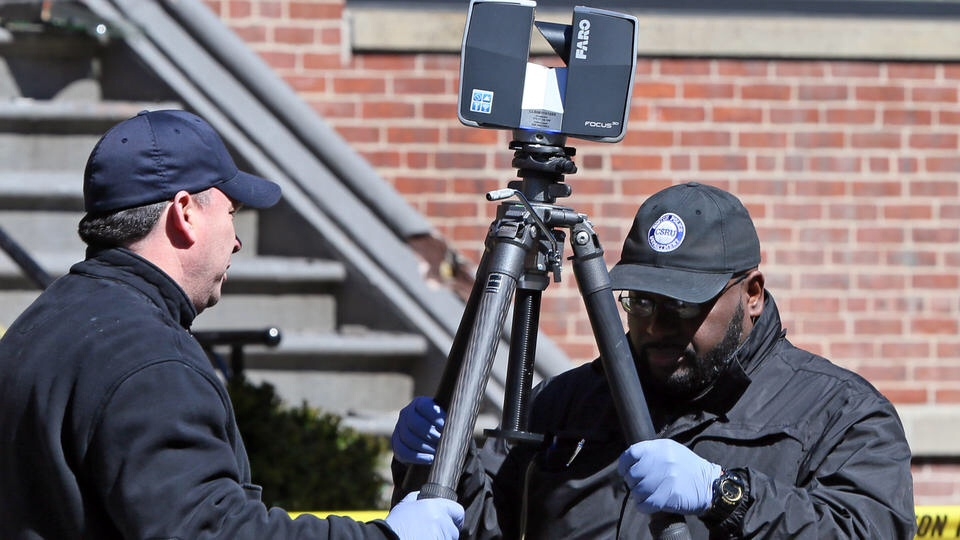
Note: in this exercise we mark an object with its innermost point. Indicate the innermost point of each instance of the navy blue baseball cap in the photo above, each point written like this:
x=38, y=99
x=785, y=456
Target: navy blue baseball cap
x=686, y=242
x=152, y=156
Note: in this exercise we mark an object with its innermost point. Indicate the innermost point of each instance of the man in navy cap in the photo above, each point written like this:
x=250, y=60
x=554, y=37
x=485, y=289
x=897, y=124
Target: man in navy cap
x=758, y=439
x=112, y=422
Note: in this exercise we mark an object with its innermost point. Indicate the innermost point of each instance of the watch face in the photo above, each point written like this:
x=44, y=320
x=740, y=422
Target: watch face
x=731, y=490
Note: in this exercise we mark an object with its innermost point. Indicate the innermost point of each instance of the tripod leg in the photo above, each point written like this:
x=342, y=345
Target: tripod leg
x=593, y=279
x=417, y=475
x=505, y=265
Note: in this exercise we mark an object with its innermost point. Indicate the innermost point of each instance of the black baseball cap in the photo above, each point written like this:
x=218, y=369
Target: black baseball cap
x=150, y=157
x=686, y=242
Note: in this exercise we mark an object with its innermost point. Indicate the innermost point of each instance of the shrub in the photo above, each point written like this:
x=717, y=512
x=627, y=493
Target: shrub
x=304, y=459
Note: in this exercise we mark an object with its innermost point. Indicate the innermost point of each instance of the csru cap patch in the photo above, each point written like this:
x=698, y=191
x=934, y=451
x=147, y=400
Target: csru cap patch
x=686, y=242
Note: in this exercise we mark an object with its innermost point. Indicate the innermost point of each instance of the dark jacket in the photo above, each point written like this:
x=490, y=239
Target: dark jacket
x=825, y=453
x=114, y=425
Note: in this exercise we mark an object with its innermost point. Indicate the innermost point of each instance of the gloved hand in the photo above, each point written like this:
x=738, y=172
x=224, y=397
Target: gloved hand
x=426, y=519
x=663, y=475
x=417, y=432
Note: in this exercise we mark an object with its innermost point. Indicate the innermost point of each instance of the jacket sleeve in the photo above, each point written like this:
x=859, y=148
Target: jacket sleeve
x=165, y=459
x=857, y=485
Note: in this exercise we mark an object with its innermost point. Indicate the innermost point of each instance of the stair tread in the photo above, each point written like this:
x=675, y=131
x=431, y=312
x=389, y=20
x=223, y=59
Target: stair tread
x=67, y=109
x=383, y=422
x=252, y=268
x=352, y=342
x=41, y=182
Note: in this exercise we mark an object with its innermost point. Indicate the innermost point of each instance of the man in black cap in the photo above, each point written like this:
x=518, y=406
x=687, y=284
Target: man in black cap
x=757, y=438
x=112, y=422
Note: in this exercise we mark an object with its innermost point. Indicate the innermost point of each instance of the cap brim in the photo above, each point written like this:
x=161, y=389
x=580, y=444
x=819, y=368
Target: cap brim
x=695, y=287
x=251, y=190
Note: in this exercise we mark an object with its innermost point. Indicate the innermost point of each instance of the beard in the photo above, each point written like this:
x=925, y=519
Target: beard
x=696, y=373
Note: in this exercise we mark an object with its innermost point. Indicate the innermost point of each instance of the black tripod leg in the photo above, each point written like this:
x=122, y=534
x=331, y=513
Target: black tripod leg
x=505, y=265
x=416, y=475
x=593, y=279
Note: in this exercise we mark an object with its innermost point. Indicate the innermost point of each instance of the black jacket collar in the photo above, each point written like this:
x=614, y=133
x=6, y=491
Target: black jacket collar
x=124, y=265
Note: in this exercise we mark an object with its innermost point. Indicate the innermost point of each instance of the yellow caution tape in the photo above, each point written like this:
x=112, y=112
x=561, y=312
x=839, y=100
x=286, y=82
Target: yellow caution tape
x=932, y=521
x=938, y=522
x=357, y=515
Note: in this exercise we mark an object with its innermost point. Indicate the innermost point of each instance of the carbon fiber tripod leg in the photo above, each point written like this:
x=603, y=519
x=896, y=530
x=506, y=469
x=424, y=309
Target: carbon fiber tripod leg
x=593, y=279
x=504, y=264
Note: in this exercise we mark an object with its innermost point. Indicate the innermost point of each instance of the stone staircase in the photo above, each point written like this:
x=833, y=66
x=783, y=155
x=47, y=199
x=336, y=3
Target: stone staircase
x=50, y=121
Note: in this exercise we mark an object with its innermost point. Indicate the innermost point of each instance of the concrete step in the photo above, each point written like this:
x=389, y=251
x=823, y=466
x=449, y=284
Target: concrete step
x=290, y=312
x=44, y=189
x=359, y=374
x=246, y=274
x=344, y=349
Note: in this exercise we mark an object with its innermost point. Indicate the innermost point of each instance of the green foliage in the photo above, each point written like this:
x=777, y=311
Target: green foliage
x=305, y=460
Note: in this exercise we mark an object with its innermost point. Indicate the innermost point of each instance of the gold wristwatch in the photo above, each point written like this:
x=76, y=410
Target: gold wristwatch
x=729, y=492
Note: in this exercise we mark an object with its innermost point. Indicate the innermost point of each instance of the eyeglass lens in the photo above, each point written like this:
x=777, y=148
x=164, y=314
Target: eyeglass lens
x=644, y=306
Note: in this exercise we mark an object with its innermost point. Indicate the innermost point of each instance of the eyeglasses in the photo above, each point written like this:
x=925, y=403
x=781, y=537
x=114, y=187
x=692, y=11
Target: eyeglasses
x=644, y=306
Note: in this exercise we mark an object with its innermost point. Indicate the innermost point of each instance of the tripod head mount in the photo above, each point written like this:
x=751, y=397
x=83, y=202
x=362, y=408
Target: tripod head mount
x=541, y=160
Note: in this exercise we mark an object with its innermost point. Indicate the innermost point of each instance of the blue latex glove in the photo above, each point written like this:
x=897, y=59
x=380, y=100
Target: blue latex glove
x=426, y=519
x=417, y=432
x=665, y=476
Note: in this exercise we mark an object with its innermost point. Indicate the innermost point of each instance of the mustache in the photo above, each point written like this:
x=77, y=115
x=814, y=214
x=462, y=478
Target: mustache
x=686, y=349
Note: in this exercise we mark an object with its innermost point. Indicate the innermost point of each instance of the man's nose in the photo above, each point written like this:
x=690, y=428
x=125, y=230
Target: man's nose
x=237, y=245
x=658, y=325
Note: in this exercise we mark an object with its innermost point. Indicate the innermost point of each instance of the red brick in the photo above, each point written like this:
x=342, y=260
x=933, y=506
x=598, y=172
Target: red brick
x=421, y=85
x=912, y=71
x=695, y=91
x=294, y=35
x=935, y=94
x=880, y=93
x=684, y=67
x=825, y=92
x=766, y=92
x=385, y=110
x=942, y=141
x=316, y=10
x=795, y=115
x=637, y=162
x=851, y=116
x=907, y=117
x=725, y=162
x=737, y=114
x=358, y=85
x=648, y=138
x=876, y=140
x=654, y=90
x=933, y=326
x=705, y=138
x=763, y=139
x=693, y=113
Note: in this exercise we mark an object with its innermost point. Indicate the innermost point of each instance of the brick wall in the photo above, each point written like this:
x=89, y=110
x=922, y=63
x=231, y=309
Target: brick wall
x=849, y=169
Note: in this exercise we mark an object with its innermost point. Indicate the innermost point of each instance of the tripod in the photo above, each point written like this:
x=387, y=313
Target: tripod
x=523, y=247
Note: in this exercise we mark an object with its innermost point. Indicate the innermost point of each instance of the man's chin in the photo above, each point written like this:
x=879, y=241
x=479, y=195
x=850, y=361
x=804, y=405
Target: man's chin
x=671, y=379
x=209, y=303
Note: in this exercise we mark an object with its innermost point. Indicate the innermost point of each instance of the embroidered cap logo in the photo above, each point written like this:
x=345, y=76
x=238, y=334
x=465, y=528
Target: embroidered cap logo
x=667, y=233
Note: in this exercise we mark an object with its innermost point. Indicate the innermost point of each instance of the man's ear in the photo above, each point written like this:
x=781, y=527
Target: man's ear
x=182, y=220
x=755, y=294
